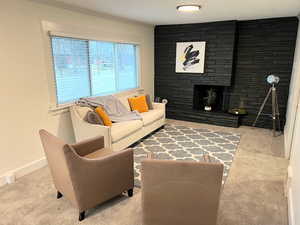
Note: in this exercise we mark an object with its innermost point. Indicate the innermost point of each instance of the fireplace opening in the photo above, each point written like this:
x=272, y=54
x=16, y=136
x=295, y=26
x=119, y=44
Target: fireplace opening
x=214, y=97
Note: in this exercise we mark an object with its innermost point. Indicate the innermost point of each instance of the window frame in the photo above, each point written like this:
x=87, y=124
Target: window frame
x=50, y=28
x=69, y=103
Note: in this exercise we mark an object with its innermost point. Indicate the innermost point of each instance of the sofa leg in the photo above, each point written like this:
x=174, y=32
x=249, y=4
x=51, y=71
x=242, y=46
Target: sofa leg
x=130, y=192
x=81, y=215
x=59, y=195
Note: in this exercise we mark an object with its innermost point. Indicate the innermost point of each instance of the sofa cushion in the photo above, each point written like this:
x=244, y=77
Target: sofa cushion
x=149, y=103
x=93, y=118
x=138, y=104
x=124, y=129
x=103, y=115
x=151, y=116
x=124, y=101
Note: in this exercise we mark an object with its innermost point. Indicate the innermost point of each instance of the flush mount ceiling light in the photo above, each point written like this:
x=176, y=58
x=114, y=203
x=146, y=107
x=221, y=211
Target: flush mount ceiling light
x=188, y=8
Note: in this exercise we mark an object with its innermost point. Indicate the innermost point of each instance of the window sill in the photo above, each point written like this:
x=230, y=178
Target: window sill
x=58, y=109
x=63, y=108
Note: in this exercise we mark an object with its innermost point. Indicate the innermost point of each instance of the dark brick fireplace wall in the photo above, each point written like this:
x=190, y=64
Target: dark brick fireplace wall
x=239, y=55
x=178, y=88
x=263, y=47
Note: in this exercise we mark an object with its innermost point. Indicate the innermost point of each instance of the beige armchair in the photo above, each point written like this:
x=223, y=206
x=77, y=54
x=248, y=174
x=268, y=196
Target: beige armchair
x=180, y=192
x=86, y=173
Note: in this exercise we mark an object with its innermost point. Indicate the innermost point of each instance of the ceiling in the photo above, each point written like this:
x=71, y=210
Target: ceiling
x=159, y=12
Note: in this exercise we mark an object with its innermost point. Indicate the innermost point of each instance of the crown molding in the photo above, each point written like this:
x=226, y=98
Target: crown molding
x=70, y=7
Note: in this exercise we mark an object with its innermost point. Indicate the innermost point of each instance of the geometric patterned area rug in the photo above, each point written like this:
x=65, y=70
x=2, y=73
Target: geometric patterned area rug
x=186, y=143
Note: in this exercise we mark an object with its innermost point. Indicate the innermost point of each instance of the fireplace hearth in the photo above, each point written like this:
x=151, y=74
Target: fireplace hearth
x=218, y=115
x=201, y=94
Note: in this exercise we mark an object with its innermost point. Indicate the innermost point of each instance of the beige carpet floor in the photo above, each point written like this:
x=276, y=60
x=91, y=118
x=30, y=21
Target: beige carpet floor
x=253, y=194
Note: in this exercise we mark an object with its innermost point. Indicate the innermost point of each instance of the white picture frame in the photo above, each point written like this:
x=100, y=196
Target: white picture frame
x=190, y=57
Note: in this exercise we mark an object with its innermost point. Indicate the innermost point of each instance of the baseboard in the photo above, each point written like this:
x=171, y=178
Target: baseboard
x=291, y=216
x=290, y=208
x=24, y=170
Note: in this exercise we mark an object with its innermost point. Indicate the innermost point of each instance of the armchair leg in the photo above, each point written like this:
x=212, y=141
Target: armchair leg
x=81, y=215
x=59, y=195
x=130, y=192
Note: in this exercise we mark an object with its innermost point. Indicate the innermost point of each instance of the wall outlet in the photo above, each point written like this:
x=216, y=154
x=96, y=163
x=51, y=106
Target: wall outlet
x=10, y=178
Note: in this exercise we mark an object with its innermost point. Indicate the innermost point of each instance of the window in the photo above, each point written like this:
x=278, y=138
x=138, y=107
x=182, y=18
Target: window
x=91, y=68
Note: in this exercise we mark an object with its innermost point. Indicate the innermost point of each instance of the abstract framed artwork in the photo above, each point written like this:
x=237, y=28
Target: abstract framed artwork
x=190, y=57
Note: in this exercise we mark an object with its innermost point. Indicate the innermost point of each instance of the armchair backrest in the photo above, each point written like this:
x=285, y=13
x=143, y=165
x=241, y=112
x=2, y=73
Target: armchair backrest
x=57, y=152
x=180, y=192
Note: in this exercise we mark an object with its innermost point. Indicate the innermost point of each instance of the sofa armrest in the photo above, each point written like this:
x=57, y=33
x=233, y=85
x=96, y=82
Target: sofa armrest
x=84, y=130
x=157, y=105
x=88, y=146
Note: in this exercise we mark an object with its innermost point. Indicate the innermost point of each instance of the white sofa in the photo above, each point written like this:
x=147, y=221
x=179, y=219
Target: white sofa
x=120, y=135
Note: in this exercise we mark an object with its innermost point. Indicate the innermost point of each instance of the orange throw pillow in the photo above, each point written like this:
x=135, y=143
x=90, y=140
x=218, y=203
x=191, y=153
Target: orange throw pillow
x=103, y=115
x=138, y=103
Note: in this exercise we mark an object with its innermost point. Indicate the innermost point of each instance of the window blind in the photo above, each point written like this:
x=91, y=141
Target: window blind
x=85, y=68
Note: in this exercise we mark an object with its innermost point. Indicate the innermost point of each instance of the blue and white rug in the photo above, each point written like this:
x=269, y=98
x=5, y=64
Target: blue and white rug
x=186, y=143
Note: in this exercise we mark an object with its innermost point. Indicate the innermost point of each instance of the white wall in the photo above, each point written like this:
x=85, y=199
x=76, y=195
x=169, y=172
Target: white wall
x=294, y=168
x=292, y=139
x=24, y=91
x=293, y=98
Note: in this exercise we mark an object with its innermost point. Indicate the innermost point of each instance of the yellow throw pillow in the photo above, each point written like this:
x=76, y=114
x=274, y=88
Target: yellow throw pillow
x=138, y=103
x=103, y=115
